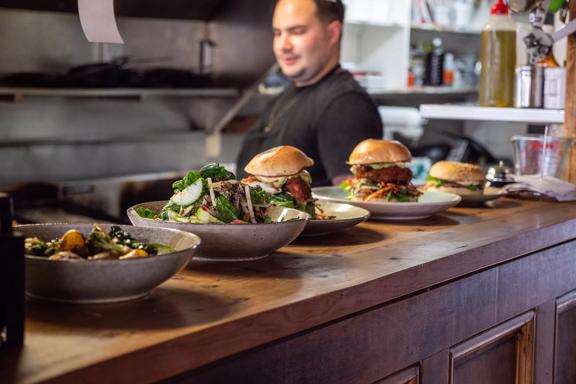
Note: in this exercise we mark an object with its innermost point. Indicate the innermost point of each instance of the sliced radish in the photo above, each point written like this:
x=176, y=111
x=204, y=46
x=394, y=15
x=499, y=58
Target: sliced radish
x=211, y=190
x=249, y=201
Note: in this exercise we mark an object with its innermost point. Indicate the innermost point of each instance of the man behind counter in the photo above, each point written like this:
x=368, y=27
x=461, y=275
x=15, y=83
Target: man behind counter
x=324, y=112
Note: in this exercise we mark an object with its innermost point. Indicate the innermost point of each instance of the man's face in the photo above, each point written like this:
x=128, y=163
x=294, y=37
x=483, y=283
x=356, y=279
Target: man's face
x=303, y=45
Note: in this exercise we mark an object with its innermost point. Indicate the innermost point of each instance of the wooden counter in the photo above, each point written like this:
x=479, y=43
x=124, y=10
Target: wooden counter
x=390, y=301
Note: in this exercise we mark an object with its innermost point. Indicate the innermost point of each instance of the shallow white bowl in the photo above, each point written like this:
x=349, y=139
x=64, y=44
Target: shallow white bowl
x=344, y=216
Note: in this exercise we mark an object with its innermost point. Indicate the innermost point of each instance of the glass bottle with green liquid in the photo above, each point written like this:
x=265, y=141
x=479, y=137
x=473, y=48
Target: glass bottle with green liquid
x=498, y=57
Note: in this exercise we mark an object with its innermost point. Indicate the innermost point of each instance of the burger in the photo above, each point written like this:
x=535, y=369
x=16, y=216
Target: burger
x=459, y=178
x=280, y=171
x=381, y=173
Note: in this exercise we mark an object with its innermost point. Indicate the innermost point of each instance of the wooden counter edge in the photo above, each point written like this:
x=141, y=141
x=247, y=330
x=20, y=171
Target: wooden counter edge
x=173, y=357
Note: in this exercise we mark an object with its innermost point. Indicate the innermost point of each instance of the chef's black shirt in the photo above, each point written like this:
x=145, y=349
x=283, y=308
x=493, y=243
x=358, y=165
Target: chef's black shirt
x=324, y=120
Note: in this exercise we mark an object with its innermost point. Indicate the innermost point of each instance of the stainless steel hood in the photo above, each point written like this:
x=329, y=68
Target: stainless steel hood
x=60, y=134
x=172, y=9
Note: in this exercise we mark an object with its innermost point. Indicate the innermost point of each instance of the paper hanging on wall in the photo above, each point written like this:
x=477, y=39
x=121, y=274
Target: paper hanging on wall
x=98, y=21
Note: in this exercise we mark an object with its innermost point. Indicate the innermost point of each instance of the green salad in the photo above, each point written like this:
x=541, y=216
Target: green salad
x=98, y=245
x=213, y=195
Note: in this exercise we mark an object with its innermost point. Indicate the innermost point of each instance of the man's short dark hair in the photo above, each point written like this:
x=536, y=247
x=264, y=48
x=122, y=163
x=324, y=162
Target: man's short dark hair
x=330, y=10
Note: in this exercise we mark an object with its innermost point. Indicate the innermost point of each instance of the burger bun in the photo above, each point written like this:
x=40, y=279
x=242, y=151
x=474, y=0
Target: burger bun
x=279, y=161
x=372, y=151
x=457, y=172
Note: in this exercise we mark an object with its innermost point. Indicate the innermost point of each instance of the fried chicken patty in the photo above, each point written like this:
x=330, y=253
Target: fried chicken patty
x=395, y=175
x=299, y=189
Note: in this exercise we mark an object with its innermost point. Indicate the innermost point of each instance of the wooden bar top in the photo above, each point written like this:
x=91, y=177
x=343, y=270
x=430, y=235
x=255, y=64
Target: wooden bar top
x=213, y=310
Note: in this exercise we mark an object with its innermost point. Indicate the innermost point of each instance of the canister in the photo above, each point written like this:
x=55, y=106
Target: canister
x=554, y=87
x=529, y=87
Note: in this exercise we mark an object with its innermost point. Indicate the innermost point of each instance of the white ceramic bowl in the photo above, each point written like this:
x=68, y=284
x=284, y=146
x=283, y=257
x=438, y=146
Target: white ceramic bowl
x=100, y=281
x=233, y=242
x=344, y=216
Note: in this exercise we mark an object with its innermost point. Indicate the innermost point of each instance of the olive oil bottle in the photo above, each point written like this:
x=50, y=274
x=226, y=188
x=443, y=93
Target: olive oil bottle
x=498, y=58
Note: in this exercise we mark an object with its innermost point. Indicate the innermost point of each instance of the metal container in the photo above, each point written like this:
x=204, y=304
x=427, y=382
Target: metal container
x=554, y=87
x=499, y=175
x=529, y=87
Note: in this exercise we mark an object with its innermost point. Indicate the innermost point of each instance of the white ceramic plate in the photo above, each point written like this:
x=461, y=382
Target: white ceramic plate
x=428, y=204
x=489, y=194
x=345, y=216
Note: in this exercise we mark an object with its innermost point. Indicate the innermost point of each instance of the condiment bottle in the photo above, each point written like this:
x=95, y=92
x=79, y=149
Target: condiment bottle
x=434, y=74
x=498, y=57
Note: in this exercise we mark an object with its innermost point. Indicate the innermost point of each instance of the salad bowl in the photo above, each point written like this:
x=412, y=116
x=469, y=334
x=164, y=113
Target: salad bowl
x=103, y=281
x=232, y=242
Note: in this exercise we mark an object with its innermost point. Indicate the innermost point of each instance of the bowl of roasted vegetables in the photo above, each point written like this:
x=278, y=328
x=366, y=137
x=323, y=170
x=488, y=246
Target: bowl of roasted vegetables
x=85, y=263
x=235, y=221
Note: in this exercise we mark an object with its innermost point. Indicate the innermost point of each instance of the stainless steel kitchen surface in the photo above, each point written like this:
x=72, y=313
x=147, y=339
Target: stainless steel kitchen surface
x=109, y=135
x=55, y=133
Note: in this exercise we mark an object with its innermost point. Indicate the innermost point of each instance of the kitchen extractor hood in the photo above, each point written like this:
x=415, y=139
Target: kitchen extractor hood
x=171, y=9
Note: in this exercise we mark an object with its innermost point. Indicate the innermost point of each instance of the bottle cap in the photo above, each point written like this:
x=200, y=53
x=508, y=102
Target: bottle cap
x=499, y=8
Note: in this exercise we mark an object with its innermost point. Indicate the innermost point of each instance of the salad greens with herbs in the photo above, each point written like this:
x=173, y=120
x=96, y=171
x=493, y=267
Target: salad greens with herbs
x=213, y=195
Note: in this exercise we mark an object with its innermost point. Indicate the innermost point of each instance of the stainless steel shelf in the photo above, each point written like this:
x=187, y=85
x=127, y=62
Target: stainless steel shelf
x=440, y=29
x=372, y=24
x=18, y=93
x=474, y=112
x=423, y=91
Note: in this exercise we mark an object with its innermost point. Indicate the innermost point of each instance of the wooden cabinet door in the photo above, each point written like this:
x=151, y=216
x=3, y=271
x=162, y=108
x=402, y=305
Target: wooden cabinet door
x=407, y=376
x=565, y=354
x=501, y=355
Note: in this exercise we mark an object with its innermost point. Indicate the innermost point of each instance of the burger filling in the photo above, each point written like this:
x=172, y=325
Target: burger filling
x=379, y=166
x=470, y=185
x=287, y=191
x=389, y=174
x=383, y=181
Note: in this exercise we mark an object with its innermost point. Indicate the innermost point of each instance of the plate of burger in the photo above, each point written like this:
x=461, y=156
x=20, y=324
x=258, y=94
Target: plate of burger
x=281, y=172
x=382, y=184
x=235, y=221
x=466, y=180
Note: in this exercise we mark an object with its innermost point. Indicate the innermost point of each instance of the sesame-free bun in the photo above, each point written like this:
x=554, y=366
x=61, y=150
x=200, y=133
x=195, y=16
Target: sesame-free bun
x=279, y=161
x=457, y=172
x=372, y=151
